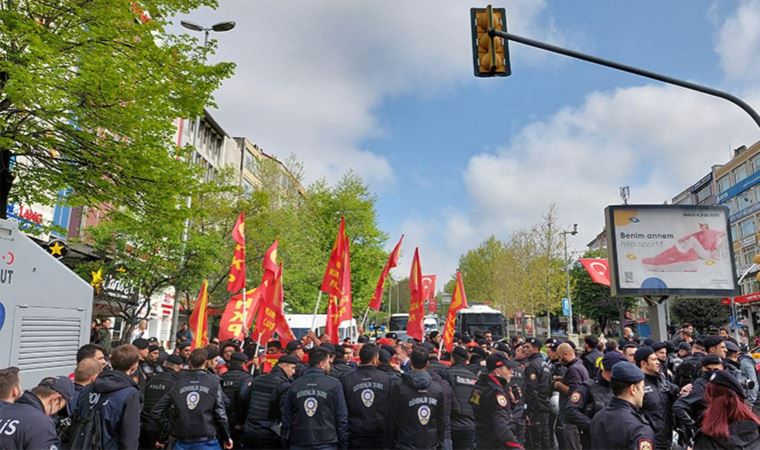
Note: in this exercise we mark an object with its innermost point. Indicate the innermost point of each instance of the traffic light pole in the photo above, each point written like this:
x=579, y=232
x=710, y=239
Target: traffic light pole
x=630, y=69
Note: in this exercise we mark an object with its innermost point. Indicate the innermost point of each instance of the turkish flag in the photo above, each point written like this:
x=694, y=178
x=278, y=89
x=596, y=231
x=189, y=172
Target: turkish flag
x=598, y=270
x=428, y=292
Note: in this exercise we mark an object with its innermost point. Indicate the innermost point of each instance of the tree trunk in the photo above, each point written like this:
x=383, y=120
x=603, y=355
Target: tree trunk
x=6, y=181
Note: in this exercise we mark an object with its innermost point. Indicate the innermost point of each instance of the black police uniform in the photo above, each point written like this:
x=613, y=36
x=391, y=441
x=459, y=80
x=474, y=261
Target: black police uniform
x=421, y=413
x=591, y=361
x=463, y=382
x=493, y=414
x=538, y=392
x=367, y=390
x=196, y=403
x=621, y=426
x=659, y=396
x=236, y=384
x=689, y=369
x=688, y=410
x=150, y=368
x=314, y=412
x=575, y=376
x=341, y=367
x=519, y=408
x=155, y=388
x=586, y=401
x=24, y=425
x=557, y=370
x=741, y=435
x=262, y=421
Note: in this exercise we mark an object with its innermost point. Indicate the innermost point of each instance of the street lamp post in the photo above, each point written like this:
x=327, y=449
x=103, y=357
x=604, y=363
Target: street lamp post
x=567, y=279
x=219, y=28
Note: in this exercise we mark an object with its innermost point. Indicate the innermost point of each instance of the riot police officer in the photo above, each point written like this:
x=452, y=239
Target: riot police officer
x=155, y=388
x=591, y=397
x=463, y=382
x=659, y=395
x=367, y=390
x=236, y=383
x=262, y=421
x=314, y=412
x=621, y=425
x=688, y=410
x=151, y=365
x=492, y=403
x=538, y=393
x=421, y=419
x=196, y=404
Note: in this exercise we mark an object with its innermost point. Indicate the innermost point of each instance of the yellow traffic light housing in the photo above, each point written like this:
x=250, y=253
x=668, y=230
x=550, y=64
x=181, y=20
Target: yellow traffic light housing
x=490, y=53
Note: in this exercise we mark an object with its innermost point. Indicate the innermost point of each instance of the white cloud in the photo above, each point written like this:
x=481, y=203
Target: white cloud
x=310, y=75
x=738, y=42
x=658, y=140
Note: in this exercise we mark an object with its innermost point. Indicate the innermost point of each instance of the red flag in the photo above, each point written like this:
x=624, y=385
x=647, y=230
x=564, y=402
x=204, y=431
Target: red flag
x=269, y=263
x=414, y=327
x=284, y=332
x=231, y=325
x=377, y=298
x=237, y=268
x=458, y=301
x=340, y=309
x=269, y=309
x=199, y=318
x=598, y=270
x=332, y=283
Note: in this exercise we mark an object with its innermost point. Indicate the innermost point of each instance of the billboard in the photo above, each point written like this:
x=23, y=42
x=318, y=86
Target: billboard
x=662, y=250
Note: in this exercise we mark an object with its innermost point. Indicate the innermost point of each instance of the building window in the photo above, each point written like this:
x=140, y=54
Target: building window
x=247, y=188
x=740, y=173
x=724, y=183
x=251, y=163
x=755, y=161
x=747, y=227
x=704, y=193
x=734, y=236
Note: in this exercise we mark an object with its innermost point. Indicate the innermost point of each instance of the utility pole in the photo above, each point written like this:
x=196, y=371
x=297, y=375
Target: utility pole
x=567, y=279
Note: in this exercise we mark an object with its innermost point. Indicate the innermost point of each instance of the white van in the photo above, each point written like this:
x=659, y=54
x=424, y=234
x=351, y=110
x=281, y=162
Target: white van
x=302, y=323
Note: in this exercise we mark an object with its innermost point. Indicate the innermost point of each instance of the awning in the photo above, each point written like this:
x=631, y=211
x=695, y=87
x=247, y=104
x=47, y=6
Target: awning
x=748, y=298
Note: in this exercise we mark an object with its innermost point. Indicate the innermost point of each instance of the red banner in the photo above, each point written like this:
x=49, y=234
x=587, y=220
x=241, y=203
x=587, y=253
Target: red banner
x=332, y=283
x=236, y=280
x=199, y=318
x=598, y=270
x=458, y=301
x=377, y=297
x=340, y=309
x=271, y=307
x=231, y=325
x=414, y=327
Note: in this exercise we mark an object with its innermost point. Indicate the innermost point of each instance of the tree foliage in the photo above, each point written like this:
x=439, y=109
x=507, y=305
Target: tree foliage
x=89, y=92
x=703, y=313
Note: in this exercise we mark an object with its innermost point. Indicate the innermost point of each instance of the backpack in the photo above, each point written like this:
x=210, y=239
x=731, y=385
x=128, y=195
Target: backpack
x=87, y=429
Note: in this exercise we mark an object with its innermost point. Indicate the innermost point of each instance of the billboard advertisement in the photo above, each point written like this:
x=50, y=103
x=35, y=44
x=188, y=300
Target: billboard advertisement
x=663, y=250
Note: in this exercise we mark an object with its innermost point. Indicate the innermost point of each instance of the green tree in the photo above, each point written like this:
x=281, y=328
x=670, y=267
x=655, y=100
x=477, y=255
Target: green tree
x=703, y=313
x=483, y=272
x=89, y=92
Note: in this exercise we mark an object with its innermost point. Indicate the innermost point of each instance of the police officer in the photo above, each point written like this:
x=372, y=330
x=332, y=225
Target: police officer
x=236, y=384
x=591, y=355
x=314, y=410
x=196, y=404
x=659, y=395
x=621, y=425
x=150, y=365
x=26, y=423
x=155, y=388
x=367, y=390
x=591, y=397
x=492, y=404
x=575, y=375
x=262, y=421
x=538, y=393
x=421, y=419
x=557, y=371
x=688, y=410
x=691, y=365
x=463, y=382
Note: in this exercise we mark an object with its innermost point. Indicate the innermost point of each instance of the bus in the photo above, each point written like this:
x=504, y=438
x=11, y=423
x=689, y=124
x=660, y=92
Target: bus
x=481, y=318
x=301, y=324
x=398, y=323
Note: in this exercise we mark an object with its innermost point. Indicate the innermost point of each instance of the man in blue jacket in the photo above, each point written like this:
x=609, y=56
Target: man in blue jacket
x=120, y=410
x=27, y=423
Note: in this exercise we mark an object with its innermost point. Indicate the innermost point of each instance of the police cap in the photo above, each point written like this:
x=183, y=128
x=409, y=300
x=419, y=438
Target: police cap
x=61, y=384
x=612, y=358
x=725, y=379
x=732, y=347
x=708, y=360
x=626, y=372
x=642, y=354
x=239, y=356
x=141, y=343
x=535, y=342
x=153, y=348
x=657, y=346
x=288, y=359
x=174, y=359
x=712, y=341
x=497, y=360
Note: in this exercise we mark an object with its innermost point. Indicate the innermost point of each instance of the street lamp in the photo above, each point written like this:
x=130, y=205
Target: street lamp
x=567, y=279
x=220, y=27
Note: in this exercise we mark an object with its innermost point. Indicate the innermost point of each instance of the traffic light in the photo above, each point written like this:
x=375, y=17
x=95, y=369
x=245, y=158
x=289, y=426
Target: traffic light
x=490, y=54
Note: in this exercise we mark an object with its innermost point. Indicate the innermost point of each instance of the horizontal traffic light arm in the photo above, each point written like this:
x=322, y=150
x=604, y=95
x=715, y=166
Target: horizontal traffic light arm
x=630, y=69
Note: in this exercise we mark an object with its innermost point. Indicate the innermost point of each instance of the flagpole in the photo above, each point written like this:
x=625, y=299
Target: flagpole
x=245, y=315
x=365, y=317
x=440, y=344
x=316, y=309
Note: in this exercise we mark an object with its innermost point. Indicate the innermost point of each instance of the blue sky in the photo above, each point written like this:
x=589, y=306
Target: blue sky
x=385, y=88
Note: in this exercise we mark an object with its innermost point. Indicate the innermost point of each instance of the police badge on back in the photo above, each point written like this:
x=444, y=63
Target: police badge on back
x=424, y=414
x=310, y=406
x=192, y=400
x=368, y=397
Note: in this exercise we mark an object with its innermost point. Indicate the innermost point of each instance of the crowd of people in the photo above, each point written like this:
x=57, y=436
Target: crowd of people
x=693, y=392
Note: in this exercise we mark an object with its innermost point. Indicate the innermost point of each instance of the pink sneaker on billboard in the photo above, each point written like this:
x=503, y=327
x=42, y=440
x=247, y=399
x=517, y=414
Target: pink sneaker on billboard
x=673, y=260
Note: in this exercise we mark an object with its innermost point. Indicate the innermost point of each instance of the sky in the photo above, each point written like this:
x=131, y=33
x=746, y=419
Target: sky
x=386, y=88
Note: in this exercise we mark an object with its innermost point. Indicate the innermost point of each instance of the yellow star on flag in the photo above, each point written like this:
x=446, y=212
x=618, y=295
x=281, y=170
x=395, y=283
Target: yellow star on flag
x=236, y=262
x=56, y=248
x=97, y=278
